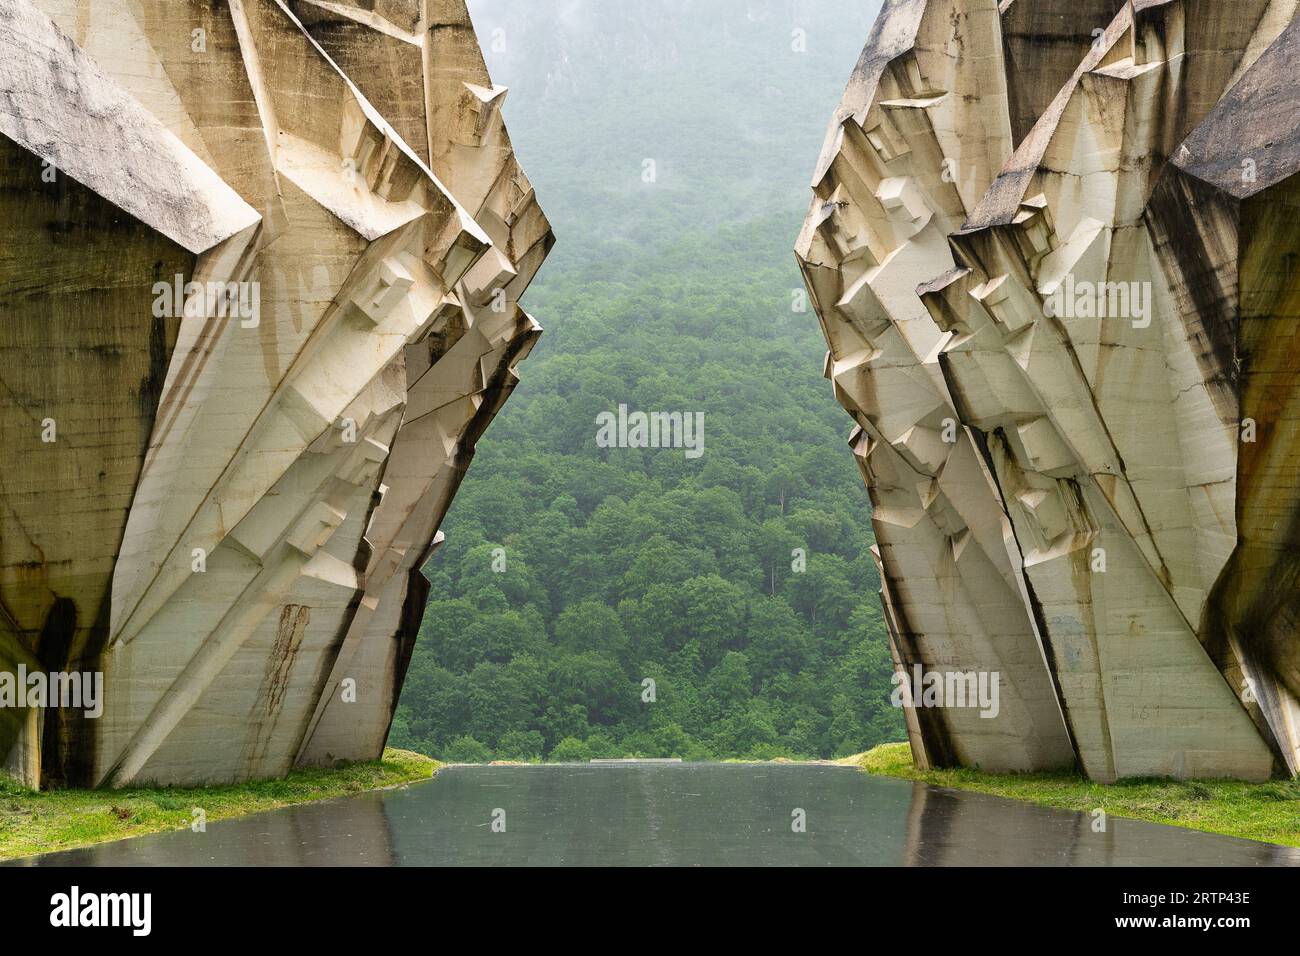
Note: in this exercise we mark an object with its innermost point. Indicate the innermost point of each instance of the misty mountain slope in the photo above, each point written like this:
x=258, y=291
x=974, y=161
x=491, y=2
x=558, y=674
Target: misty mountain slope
x=672, y=292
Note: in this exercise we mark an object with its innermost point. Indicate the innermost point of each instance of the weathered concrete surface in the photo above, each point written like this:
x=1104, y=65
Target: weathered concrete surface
x=1097, y=502
x=231, y=520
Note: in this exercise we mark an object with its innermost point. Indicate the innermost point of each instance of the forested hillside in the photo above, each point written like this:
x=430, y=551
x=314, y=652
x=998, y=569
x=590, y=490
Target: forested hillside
x=671, y=142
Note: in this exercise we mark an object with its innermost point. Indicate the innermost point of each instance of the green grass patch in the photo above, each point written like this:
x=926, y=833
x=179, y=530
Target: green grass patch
x=38, y=822
x=1255, y=811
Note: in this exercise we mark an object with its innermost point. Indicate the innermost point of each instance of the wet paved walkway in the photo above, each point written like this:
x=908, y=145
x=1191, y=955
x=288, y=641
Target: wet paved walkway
x=674, y=814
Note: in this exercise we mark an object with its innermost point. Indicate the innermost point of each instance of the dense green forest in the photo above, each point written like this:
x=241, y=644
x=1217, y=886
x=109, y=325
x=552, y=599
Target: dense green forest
x=670, y=142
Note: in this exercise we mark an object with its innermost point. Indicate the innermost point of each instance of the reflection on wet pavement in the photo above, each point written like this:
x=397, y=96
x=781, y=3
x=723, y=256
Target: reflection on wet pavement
x=674, y=814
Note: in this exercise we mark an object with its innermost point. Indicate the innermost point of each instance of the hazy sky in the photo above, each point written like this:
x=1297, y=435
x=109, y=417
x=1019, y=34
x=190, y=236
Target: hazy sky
x=737, y=90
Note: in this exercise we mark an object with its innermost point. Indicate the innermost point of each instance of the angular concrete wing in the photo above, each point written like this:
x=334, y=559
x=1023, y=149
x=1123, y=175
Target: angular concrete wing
x=1052, y=247
x=261, y=278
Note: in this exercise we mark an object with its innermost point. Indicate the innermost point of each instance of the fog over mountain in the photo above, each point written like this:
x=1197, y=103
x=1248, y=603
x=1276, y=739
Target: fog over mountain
x=671, y=144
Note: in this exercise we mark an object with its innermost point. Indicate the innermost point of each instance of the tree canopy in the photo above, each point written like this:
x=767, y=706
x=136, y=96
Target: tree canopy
x=595, y=602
